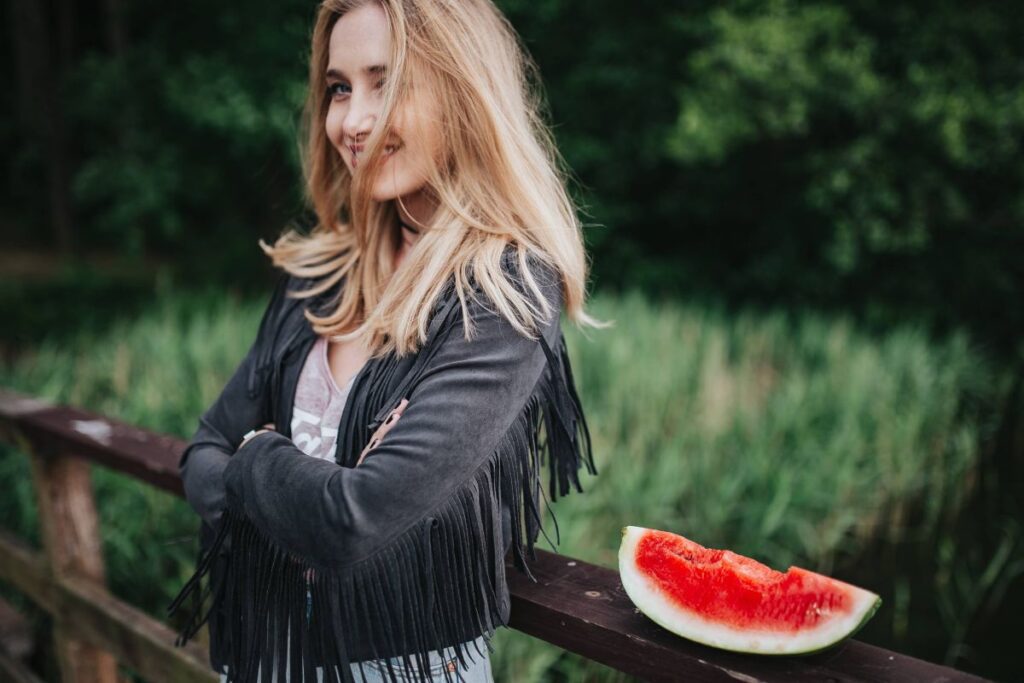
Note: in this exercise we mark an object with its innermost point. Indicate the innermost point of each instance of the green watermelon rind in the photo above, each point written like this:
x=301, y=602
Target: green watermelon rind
x=638, y=594
x=867, y=617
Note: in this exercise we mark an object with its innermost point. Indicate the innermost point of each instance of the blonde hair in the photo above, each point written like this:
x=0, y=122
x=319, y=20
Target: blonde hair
x=504, y=183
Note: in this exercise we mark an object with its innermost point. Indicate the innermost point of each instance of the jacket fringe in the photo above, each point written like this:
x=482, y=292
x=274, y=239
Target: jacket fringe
x=437, y=584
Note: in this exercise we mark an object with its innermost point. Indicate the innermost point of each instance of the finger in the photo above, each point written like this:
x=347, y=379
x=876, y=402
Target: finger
x=386, y=426
x=395, y=414
x=383, y=429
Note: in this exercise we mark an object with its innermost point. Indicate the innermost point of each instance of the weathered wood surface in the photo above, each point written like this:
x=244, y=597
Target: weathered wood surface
x=13, y=671
x=16, y=638
x=26, y=570
x=149, y=457
x=90, y=613
x=575, y=605
x=71, y=535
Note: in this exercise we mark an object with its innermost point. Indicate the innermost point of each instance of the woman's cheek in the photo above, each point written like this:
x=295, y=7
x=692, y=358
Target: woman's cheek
x=332, y=126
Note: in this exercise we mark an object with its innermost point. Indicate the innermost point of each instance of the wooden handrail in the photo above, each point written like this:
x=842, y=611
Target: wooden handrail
x=578, y=606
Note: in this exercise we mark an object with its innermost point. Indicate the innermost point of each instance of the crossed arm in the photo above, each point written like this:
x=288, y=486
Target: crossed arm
x=220, y=431
x=460, y=409
x=457, y=414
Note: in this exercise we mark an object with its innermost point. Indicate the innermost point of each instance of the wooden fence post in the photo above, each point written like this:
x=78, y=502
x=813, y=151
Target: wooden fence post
x=71, y=537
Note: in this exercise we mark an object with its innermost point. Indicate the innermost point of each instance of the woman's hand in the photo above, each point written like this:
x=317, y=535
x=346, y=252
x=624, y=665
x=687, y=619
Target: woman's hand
x=269, y=427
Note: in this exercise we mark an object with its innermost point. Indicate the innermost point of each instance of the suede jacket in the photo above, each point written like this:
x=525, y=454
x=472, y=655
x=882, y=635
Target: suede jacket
x=310, y=563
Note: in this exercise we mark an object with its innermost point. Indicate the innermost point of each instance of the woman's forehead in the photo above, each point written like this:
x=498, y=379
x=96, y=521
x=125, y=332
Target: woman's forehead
x=359, y=42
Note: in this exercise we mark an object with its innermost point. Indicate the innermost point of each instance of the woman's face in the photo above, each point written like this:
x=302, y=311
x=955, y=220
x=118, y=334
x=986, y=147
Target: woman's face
x=358, y=55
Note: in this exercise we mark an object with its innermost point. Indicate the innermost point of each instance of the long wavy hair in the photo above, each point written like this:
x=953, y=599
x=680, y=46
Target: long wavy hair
x=504, y=182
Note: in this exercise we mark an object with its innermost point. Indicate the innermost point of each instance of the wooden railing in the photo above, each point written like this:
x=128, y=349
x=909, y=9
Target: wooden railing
x=575, y=605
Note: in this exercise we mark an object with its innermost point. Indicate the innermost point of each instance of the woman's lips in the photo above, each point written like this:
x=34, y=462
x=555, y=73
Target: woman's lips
x=387, y=154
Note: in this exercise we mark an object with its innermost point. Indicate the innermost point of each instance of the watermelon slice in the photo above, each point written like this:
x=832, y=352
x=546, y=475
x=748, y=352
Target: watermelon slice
x=729, y=601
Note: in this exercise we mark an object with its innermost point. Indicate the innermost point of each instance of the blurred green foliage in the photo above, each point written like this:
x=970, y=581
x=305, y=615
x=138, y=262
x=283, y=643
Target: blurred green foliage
x=861, y=156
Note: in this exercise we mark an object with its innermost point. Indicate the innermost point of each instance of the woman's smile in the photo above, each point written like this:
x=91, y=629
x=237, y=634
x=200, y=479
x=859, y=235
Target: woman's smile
x=356, y=150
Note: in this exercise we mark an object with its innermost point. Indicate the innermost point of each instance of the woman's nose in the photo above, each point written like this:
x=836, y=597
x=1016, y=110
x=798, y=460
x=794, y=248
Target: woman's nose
x=360, y=117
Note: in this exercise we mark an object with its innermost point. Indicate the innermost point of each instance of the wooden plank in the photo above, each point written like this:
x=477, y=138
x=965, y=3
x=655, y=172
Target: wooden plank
x=583, y=608
x=135, y=638
x=147, y=456
x=91, y=614
x=27, y=571
x=11, y=669
x=67, y=516
x=71, y=535
x=15, y=632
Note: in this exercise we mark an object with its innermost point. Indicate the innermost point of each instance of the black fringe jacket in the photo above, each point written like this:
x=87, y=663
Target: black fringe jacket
x=404, y=554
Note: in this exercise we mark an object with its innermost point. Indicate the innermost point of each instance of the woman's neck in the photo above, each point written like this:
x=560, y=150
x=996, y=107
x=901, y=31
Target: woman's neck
x=415, y=211
x=409, y=235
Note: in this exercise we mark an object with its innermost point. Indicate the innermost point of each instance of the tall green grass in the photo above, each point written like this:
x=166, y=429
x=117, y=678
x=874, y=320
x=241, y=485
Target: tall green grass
x=795, y=439
x=790, y=438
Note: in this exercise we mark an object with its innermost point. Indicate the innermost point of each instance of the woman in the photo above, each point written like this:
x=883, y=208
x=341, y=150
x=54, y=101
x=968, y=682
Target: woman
x=409, y=374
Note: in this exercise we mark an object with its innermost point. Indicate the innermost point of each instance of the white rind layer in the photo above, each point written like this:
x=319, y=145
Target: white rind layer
x=650, y=600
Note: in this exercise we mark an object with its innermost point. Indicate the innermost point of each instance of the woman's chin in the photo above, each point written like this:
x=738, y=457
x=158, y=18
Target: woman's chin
x=387, y=190
x=383, y=194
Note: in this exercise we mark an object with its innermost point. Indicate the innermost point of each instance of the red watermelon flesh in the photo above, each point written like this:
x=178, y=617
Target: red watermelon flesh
x=726, y=600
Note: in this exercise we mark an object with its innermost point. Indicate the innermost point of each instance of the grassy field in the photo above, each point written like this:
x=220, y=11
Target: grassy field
x=795, y=439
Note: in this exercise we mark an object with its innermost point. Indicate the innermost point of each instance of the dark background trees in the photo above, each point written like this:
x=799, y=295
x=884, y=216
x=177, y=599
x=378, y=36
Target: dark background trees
x=863, y=156
x=860, y=160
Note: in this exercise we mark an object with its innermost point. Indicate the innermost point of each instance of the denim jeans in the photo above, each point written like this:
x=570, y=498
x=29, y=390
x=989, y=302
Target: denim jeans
x=376, y=671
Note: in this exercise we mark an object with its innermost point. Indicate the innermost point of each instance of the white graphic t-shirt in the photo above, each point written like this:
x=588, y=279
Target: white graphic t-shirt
x=319, y=403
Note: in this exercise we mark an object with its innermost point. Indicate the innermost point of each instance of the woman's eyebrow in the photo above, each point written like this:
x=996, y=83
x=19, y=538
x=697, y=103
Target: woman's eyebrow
x=369, y=71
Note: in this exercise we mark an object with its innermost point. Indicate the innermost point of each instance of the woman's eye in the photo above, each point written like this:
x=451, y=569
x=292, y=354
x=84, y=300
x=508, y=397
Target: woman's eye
x=331, y=89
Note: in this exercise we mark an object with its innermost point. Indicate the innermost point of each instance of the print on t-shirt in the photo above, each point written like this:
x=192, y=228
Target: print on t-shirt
x=318, y=405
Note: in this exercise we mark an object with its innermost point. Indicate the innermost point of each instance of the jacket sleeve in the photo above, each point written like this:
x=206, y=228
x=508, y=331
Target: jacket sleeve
x=240, y=407
x=467, y=398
